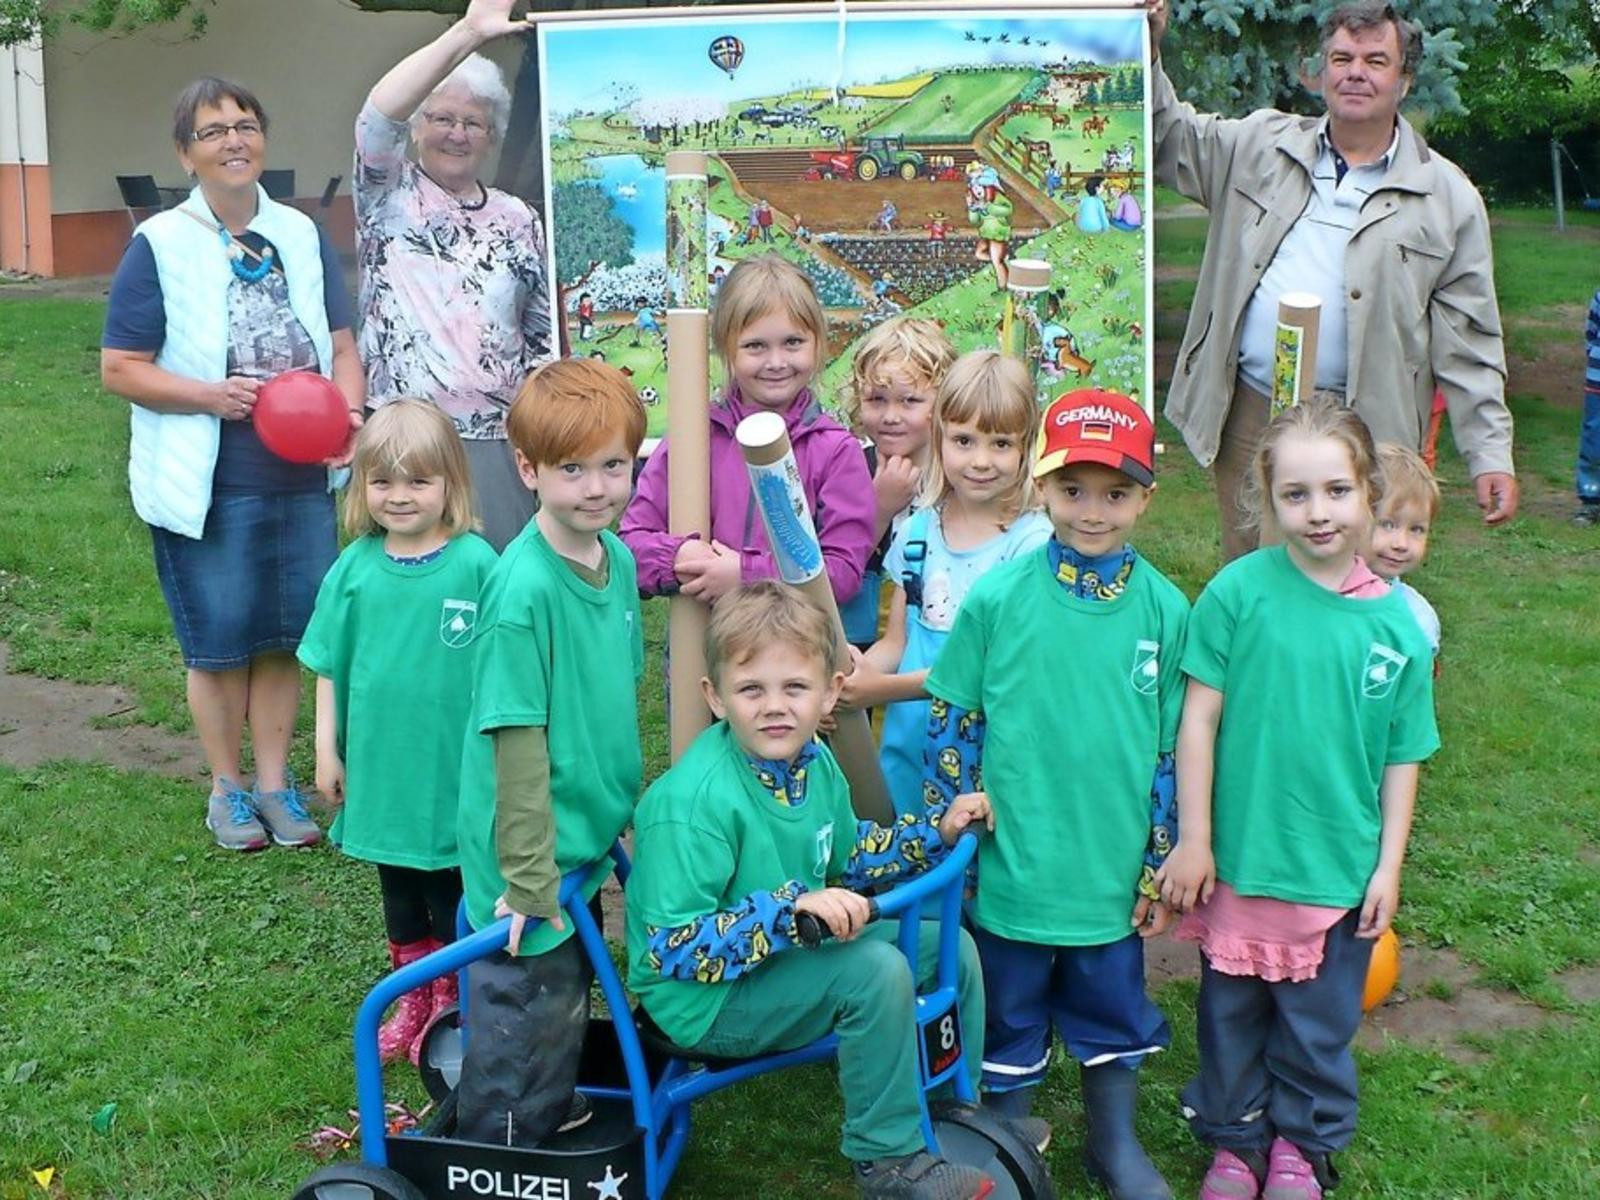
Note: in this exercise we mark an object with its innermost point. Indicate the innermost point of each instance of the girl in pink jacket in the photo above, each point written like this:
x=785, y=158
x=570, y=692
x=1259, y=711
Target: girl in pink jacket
x=770, y=330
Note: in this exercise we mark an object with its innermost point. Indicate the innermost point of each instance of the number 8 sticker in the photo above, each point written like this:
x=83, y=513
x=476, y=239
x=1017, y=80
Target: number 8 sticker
x=941, y=1042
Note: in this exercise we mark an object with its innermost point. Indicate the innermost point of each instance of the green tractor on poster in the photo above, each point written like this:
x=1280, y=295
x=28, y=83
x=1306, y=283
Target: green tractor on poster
x=887, y=154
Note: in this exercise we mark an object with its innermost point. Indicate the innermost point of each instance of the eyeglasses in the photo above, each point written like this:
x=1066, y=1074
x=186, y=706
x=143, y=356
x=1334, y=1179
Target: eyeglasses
x=249, y=130
x=444, y=123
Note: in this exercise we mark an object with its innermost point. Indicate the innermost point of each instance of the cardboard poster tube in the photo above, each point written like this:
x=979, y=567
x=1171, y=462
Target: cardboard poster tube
x=1294, y=350
x=1026, y=278
x=688, y=433
x=781, y=500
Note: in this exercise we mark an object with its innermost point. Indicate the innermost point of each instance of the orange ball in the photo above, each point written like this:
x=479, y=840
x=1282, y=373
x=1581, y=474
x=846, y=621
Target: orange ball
x=1383, y=973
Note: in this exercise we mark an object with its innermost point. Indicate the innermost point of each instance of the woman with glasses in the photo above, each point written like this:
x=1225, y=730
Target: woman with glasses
x=213, y=298
x=454, y=301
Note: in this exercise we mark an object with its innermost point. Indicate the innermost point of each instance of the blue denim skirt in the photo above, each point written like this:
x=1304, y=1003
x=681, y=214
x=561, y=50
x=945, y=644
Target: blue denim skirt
x=247, y=586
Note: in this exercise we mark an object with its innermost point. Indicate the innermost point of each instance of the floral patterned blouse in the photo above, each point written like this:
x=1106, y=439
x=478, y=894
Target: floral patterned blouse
x=454, y=300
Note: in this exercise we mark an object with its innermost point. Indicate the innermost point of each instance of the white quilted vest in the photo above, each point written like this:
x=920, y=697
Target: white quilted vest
x=172, y=455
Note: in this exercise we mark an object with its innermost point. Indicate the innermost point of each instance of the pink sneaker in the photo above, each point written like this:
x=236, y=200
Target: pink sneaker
x=1289, y=1175
x=1230, y=1178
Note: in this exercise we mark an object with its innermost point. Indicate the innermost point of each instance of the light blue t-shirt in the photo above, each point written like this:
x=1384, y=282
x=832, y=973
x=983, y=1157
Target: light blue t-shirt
x=946, y=576
x=1422, y=610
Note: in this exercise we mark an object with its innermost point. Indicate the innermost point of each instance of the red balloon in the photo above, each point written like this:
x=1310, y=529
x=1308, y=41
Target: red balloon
x=301, y=417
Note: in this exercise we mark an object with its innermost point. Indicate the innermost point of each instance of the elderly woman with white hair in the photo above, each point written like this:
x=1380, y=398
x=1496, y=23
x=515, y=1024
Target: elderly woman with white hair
x=454, y=299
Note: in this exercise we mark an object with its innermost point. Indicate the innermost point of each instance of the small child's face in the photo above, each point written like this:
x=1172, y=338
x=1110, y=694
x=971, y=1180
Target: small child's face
x=408, y=506
x=774, y=357
x=980, y=467
x=774, y=699
x=898, y=412
x=1319, y=500
x=1399, y=538
x=586, y=493
x=1093, y=507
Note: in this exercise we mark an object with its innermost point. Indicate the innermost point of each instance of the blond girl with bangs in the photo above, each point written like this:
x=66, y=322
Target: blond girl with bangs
x=894, y=377
x=978, y=510
x=390, y=641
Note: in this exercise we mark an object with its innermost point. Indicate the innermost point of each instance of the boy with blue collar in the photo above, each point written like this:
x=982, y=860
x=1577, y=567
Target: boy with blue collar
x=752, y=827
x=1059, y=687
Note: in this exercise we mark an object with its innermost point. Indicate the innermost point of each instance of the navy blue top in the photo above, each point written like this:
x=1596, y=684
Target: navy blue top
x=264, y=339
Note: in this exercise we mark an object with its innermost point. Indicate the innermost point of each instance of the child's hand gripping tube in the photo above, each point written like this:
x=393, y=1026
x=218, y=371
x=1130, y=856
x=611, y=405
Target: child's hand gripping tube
x=780, y=496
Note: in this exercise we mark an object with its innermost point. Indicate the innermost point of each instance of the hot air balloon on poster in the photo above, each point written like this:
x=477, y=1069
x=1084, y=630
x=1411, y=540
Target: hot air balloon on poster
x=727, y=52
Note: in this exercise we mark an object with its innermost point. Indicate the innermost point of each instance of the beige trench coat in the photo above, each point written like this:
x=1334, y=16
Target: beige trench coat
x=1419, y=278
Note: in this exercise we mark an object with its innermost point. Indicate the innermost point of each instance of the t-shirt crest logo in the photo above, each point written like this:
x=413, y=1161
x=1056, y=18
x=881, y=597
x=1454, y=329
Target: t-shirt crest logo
x=1381, y=671
x=1146, y=671
x=824, y=851
x=456, y=619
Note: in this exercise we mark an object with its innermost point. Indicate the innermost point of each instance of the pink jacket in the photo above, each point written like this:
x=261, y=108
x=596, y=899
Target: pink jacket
x=837, y=486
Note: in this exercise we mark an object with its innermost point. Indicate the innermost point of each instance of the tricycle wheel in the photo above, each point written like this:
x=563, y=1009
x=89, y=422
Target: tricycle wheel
x=440, y=1060
x=976, y=1138
x=358, y=1181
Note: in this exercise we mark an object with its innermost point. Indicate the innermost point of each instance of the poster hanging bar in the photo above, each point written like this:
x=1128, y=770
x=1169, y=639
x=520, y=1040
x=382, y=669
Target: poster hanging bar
x=730, y=11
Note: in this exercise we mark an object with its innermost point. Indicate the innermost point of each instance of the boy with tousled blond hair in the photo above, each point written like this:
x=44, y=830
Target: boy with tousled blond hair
x=752, y=827
x=1405, y=514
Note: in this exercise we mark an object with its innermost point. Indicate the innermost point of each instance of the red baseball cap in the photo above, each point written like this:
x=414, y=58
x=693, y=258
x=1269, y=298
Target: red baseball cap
x=1097, y=426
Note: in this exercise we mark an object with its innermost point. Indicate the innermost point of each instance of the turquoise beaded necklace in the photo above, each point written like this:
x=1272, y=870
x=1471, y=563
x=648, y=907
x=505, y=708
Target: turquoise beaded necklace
x=237, y=251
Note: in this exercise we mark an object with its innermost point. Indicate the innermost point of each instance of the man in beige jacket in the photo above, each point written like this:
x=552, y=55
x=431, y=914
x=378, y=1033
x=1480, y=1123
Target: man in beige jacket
x=1355, y=208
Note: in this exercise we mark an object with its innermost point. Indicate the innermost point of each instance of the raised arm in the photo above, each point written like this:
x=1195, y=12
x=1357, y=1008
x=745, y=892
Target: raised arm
x=1193, y=149
x=411, y=80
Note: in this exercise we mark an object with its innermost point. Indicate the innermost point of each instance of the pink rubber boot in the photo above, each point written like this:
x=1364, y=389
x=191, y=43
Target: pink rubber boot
x=442, y=998
x=410, y=1014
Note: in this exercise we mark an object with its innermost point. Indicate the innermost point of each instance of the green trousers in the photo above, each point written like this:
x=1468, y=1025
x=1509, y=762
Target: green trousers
x=863, y=991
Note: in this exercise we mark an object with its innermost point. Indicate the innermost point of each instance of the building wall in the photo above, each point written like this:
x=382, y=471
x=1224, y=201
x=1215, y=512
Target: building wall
x=25, y=242
x=310, y=62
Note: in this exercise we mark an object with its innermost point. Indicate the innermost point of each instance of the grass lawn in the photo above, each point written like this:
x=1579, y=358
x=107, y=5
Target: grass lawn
x=973, y=99
x=210, y=997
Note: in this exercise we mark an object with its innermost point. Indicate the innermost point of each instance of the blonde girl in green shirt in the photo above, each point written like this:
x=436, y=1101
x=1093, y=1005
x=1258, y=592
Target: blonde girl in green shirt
x=1308, y=712
x=390, y=641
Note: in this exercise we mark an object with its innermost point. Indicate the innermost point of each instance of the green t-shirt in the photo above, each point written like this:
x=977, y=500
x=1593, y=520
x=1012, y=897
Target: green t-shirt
x=1081, y=697
x=1320, y=693
x=554, y=651
x=396, y=641
x=706, y=836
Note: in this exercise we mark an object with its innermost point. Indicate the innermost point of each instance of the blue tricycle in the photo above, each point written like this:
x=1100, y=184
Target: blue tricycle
x=642, y=1087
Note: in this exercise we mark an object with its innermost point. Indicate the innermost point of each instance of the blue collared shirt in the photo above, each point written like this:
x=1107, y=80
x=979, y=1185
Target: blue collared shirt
x=1311, y=259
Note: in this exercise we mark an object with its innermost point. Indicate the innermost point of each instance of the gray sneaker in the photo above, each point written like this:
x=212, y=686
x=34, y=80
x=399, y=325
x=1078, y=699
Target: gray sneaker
x=232, y=819
x=1588, y=514
x=284, y=814
x=920, y=1176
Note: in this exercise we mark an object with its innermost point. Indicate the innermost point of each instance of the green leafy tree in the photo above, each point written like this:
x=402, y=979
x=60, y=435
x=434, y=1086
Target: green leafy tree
x=1232, y=56
x=591, y=231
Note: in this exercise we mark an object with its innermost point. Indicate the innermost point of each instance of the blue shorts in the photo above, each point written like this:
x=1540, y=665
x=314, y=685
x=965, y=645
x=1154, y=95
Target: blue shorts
x=247, y=586
x=1093, y=996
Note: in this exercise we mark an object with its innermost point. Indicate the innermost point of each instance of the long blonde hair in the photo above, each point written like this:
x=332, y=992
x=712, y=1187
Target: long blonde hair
x=994, y=392
x=416, y=438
